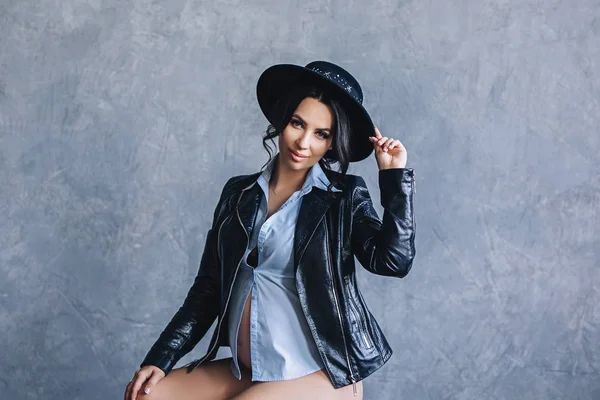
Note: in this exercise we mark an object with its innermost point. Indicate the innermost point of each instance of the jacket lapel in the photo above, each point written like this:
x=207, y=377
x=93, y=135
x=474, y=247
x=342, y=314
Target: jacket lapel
x=248, y=207
x=312, y=209
x=314, y=206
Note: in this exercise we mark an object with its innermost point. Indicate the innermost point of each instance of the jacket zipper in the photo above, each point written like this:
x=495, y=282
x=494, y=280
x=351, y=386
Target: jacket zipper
x=219, y=234
x=354, y=309
x=231, y=287
x=338, y=309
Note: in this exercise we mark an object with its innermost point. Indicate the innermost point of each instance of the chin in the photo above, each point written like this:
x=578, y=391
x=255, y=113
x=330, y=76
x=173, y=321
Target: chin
x=297, y=166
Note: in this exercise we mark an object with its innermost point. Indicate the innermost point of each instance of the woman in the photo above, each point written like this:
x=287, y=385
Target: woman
x=278, y=268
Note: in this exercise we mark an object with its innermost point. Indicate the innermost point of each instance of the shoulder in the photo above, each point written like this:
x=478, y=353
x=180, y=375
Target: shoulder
x=236, y=183
x=347, y=183
x=348, y=180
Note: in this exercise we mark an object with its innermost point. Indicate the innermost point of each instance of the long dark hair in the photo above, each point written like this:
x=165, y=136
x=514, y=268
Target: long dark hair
x=341, y=129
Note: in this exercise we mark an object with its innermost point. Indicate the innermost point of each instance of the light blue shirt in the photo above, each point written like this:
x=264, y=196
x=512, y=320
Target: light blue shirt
x=281, y=344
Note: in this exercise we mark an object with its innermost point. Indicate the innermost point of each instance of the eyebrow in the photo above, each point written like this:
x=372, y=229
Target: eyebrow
x=304, y=122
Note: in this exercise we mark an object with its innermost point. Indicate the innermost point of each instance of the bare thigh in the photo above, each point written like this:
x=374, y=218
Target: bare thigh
x=315, y=386
x=210, y=381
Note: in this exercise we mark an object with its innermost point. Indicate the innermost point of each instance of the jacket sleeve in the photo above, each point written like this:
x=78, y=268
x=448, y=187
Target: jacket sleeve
x=199, y=310
x=388, y=247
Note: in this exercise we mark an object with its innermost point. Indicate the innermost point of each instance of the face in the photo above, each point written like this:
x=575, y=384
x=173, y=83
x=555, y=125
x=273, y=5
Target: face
x=308, y=134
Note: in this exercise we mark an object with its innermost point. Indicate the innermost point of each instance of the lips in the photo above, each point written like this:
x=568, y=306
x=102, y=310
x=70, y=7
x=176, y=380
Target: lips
x=298, y=156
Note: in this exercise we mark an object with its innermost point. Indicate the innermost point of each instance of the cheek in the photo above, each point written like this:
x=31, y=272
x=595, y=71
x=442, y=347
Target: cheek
x=324, y=146
x=285, y=133
x=282, y=137
x=288, y=135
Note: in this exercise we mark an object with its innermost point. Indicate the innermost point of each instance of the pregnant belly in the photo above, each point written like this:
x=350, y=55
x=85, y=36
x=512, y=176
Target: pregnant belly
x=243, y=341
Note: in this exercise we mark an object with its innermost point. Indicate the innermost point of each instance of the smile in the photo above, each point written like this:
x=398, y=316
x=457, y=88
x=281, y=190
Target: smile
x=296, y=157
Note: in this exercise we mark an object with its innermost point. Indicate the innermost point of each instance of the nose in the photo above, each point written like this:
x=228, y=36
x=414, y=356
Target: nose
x=303, y=141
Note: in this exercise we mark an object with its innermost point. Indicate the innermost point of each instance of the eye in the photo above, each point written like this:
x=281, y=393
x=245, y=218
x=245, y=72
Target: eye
x=323, y=134
x=295, y=123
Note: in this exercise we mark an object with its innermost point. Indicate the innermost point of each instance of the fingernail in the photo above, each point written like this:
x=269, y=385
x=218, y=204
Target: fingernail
x=147, y=390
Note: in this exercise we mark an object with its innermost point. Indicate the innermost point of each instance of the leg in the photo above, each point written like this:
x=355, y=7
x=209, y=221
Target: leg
x=210, y=381
x=313, y=386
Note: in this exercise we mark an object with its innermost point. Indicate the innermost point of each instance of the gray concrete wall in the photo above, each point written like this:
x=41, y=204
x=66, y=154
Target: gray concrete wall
x=121, y=120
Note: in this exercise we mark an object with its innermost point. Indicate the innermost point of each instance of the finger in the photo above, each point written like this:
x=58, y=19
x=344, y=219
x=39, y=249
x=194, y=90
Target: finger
x=154, y=378
x=373, y=140
x=387, y=143
x=397, y=148
x=382, y=140
x=131, y=394
x=128, y=393
x=377, y=133
x=398, y=144
x=394, y=150
x=138, y=382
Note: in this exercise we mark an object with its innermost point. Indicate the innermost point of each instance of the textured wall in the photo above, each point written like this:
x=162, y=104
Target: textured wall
x=121, y=120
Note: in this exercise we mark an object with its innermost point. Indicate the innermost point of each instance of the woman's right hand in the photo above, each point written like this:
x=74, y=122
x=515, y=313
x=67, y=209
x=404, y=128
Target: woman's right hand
x=147, y=376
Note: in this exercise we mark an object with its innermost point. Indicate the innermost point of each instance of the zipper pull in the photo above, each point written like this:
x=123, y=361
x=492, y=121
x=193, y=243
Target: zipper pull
x=353, y=385
x=192, y=365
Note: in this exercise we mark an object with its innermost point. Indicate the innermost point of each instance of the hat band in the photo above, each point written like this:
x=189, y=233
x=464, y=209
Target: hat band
x=339, y=80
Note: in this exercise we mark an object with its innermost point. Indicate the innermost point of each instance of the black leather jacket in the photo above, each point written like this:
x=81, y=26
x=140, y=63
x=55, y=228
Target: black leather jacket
x=331, y=229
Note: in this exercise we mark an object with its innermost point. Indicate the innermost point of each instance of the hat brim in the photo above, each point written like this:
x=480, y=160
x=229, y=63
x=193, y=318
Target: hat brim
x=276, y=80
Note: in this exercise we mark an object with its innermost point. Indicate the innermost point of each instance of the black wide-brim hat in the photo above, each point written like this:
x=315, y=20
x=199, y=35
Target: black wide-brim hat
x=276, y=80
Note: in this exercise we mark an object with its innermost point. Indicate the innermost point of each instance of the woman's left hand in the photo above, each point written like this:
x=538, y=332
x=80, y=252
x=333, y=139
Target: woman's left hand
x=389, y=152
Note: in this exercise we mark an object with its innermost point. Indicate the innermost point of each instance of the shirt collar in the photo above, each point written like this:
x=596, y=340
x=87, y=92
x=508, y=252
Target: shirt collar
x=315, y=178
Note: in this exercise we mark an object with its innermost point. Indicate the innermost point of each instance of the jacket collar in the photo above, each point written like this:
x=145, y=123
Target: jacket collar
x=315, y=203
x=315, y=178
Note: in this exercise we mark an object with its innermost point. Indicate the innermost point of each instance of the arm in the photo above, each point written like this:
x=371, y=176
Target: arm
x=388, y=247
x=200, y=308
